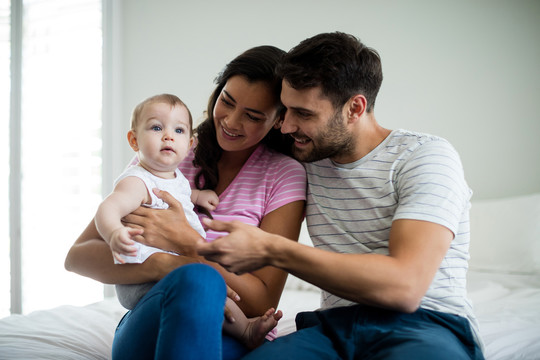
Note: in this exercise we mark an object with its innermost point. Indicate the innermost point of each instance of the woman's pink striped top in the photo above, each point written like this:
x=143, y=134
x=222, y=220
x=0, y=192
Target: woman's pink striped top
x=267, y=181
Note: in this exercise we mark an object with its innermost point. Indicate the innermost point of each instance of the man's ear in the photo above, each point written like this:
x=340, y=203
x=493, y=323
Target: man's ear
x=356, y=107
x=132, y=140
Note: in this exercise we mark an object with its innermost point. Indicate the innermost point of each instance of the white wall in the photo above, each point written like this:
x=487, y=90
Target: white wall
x=464, y=70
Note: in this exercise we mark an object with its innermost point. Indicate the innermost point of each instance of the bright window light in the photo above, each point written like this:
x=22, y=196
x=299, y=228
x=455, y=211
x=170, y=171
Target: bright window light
x=4, y=156
x=60, y=146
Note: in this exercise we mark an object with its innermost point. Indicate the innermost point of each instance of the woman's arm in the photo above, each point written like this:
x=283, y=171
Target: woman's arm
x=168, y=229
x=261, y=289
x=90, y=256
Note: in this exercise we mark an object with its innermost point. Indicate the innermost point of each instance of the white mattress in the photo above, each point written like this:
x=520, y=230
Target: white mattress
x=65, y=332
x=507, y=306
x=508, y=309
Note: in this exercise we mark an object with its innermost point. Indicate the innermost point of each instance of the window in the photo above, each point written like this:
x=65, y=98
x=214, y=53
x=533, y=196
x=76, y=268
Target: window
x=60, y=146
x=4, y=156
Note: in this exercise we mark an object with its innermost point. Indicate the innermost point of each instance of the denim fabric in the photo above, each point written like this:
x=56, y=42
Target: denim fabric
x=363, y=332
x=181, y=317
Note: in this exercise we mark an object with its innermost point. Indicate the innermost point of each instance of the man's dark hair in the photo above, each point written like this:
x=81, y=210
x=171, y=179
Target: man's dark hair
x=337, y=62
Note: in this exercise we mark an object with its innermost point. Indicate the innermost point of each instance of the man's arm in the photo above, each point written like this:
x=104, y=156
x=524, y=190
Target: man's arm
x=397, y=281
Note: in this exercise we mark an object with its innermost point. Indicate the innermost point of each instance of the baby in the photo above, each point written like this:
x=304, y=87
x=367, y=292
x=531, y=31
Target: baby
x=161, y=135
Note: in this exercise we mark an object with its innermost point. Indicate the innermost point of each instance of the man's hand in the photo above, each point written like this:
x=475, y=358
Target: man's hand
x=242, y=250
x=165, y=229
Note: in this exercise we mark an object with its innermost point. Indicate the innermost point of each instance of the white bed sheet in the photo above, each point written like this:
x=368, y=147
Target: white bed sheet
x=507, y=306
x=62, y=333
x=508, y=309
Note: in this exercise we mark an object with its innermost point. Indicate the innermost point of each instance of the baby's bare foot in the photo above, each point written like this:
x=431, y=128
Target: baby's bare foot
x=258, y=327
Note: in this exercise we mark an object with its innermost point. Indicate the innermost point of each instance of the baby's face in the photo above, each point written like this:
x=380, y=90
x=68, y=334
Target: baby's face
x=163, y=136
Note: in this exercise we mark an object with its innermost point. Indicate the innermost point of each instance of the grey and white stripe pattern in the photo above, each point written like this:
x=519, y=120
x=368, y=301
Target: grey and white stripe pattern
x=351, y=207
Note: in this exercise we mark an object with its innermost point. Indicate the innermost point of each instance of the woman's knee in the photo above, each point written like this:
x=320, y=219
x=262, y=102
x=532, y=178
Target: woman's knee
x=195, y=279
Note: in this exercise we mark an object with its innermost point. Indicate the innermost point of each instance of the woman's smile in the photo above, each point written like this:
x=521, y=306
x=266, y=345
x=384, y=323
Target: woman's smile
x=228, y=133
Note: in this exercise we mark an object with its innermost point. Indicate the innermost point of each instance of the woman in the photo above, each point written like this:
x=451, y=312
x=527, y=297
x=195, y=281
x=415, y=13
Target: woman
x=239, y=155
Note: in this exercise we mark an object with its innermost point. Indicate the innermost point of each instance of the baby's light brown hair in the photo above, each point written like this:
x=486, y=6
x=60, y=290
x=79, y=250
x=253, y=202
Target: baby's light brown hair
x=170, y=99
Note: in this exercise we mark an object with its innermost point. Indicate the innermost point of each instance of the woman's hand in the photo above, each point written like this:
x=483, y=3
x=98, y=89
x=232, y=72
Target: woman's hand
x=91, y=256
x=229, y=314
x=165, y=229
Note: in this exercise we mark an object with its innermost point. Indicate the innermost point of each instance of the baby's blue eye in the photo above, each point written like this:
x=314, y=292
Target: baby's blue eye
x=156, y=128
x=179, y=131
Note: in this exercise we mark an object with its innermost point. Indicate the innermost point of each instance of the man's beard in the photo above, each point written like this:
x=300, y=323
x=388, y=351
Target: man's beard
x=332, y=141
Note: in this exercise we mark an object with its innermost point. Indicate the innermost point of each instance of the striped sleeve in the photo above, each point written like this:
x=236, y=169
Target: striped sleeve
x=289, y=184
x=432, y=187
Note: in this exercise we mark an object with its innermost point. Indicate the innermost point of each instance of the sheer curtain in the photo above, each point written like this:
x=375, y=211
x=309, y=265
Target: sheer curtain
x=60, y=148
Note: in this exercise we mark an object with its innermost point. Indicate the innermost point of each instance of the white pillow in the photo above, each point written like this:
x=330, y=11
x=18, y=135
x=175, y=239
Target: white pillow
x=505, y=234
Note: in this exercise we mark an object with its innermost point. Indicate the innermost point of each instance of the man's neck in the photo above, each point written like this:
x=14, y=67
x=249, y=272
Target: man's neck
x=368, y=134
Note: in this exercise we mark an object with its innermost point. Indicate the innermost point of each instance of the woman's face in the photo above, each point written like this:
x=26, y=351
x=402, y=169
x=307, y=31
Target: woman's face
x=243, y=114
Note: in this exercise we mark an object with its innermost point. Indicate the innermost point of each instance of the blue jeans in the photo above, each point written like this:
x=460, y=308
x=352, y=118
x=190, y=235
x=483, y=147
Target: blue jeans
x=363, y=332
x=181, y=317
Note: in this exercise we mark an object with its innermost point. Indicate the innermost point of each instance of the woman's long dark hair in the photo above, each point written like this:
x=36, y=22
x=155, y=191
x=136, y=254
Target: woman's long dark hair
x=256, y=64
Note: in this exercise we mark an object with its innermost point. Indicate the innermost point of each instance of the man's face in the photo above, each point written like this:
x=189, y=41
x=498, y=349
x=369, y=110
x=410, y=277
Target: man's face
x=318, y=129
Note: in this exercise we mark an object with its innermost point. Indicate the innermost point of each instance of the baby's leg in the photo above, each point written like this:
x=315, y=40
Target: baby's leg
x=250, y=331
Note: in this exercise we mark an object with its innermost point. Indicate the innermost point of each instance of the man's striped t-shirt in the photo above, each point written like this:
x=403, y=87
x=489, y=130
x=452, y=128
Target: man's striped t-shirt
x=351, y=207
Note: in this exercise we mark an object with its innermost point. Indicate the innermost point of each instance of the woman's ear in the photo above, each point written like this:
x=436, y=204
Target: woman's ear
x=279, y=121
x=132, y=140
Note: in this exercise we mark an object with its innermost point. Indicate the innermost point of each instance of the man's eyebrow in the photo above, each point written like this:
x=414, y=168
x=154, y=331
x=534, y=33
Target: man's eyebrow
x=300, y=109
x=247, y=109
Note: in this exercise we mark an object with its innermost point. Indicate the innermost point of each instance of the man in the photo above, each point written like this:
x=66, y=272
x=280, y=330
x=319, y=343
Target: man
x=387, y=211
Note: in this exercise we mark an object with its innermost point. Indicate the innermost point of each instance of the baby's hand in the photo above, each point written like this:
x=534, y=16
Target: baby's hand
x=208, y=199
x=122, y=243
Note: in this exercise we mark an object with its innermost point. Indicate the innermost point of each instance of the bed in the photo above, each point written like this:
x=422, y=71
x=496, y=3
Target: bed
x=503, y=283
